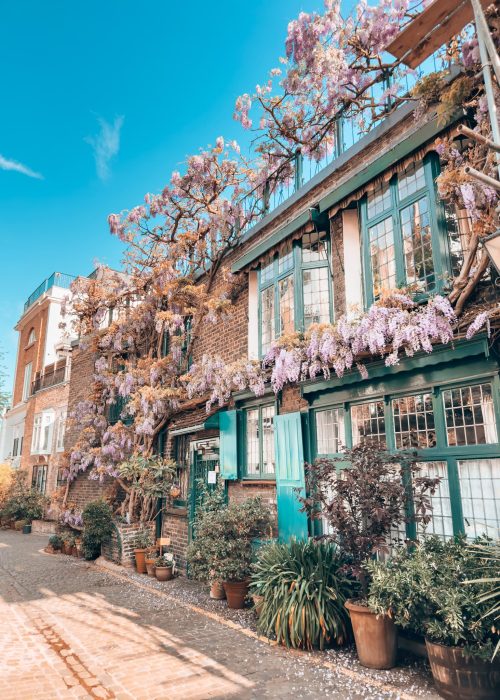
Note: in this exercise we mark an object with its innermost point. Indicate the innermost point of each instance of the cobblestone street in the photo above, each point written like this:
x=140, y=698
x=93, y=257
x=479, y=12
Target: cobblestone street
x=72, y=630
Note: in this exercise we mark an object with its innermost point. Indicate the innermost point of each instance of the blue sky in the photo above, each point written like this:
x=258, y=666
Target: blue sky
x=139, y=84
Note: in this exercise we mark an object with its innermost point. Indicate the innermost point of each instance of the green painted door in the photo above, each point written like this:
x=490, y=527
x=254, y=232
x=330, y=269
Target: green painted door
x=289, y=454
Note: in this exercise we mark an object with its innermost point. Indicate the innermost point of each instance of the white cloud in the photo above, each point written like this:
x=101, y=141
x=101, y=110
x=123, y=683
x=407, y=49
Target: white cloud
x=105, y=145
x=7, y=164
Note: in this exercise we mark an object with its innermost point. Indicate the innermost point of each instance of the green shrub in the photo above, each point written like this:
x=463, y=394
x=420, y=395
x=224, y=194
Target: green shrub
x=97, y=528
x=55, y=542
x=304, y=590
x=144, y=538
x=423, y=588
x=21, y=502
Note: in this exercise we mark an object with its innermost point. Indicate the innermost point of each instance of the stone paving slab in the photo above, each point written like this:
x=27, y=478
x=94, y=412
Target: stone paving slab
x=71, y=630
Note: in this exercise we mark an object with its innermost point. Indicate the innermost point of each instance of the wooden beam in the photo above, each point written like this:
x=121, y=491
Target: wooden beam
x=432, y=28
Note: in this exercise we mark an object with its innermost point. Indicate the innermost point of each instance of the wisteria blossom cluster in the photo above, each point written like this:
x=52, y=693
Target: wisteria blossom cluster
x=71, y=518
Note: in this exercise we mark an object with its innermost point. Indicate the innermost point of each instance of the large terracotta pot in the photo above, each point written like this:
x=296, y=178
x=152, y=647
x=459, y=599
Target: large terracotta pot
x=463, y=678
x=150, y=567
x=376, y=637
x=236, y=592
x=217, y=591
x=140, y=560
x=164, y=573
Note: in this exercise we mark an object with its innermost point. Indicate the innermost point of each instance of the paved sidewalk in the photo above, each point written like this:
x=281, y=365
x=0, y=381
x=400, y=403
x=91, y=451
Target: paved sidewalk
x=71, y=630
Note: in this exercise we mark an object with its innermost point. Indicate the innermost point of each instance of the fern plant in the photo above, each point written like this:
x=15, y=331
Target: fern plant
x=304, y=590
x=488, y=557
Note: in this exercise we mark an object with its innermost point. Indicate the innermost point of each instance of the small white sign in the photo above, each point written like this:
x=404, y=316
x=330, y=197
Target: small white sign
x=212, y=477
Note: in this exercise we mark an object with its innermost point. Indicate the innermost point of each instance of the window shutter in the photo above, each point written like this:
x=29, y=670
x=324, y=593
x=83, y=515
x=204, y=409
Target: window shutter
x=228, y=455
x=290, y=476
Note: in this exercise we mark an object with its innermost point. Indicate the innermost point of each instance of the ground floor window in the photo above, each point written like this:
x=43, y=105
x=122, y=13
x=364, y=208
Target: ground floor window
x=39, y=477
x=454, y=430
x=259, y=442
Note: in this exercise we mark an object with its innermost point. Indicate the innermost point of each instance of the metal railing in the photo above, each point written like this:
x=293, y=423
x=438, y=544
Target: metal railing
x=56, y=279
x=48, y=379
x=298, y=170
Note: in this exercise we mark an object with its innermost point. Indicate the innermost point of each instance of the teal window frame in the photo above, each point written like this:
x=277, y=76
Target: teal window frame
x=438, y=226
x=296, y=271
x=243, y=443
x=441, y=452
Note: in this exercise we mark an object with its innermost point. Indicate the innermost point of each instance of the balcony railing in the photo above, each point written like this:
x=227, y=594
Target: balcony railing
x=298, y=170
x=48, y=379
x=56, y=279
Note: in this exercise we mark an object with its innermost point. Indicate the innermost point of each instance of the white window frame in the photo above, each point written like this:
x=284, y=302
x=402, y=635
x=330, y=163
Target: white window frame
x=61, y=431
x=43, y=433
x=28, y=368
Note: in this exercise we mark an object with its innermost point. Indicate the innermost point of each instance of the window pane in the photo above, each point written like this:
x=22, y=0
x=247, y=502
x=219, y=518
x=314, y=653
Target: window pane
x=286, y=305
x=268, y=440
x=458, y=225
x=316, y=296
x=267, y=272
x=414, y=421
x=417, y=245
x=480, y=489
x=442, y=522
x=379, y=200
x=330, y=431
x=382, y=256
x=253, y=456
x=470, y=415
x=267, y=318
x=314, y=249
x=368, y=423
x=412, y=180
x=285, y=260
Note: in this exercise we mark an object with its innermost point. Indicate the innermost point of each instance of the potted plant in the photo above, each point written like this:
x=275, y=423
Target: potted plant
x=430, y=590
x=362, y=497
x=301, y=588
x=150, y=558
x=98, y=527
x=55, y=544
x=164, y=567
x=142, y=544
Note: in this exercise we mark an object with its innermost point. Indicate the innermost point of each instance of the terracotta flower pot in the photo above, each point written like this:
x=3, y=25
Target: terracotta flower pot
x=150, y=567
x=236, y=592
x=164, y=573
x=217, y=591
x=140, y=560
x=457, y=676
x=74, y=550
x=376, y=637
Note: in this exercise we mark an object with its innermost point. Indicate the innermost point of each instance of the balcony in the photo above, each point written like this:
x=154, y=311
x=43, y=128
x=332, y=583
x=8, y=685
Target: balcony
x=56, y=279
x=52, y=375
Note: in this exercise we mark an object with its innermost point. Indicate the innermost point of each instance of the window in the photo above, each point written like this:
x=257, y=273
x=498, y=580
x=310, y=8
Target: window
x=454, y=431
x=31, y=337
x=61, y=477
x=401, y=238
x=39, y=477
x=61, y=430
x=182, y=458
x=259, y=433
x=330, y=436
x=368, y=423
x=43, y=425
x=27, y=381
x=294, y=289
x=470, y=415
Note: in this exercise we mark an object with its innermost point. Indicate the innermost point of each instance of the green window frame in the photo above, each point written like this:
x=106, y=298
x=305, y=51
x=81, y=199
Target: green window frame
x=257, y=444
x=292, y=289
x=457, y=505
x=405, y=217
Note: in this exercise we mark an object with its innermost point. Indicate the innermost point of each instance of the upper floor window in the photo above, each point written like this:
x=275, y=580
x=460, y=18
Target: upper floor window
x=61, y=430
x=27, y=381
x=401, y=240
x=295, y=289
x=31, y=337
x=43, y=429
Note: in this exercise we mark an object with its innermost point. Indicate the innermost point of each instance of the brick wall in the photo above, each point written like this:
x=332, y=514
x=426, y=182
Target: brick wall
x=176, y=526
x=120, y=549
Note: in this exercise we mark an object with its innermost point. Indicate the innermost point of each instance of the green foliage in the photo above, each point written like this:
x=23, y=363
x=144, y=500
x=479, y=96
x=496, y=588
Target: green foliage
x=165, y=560
x=423, y=589
x=222, y=549
x=488, y=572
x=55, y=541
x=97, y=528
x=304, y=590
x=21, y=502
x=148, y=476
x=144, y=538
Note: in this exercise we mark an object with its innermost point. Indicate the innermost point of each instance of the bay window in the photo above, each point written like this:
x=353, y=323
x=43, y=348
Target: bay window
x=295, y=289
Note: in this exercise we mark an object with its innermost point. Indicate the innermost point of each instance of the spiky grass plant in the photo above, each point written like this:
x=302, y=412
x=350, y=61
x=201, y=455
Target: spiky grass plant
x=489, y=566
x=304, y=591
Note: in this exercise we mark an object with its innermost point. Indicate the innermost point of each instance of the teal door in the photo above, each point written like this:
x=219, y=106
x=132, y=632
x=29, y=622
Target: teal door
x=204, y=458
x=289, y=454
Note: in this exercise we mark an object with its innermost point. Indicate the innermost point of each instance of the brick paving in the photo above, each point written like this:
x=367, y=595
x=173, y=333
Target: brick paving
x=71, y=630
